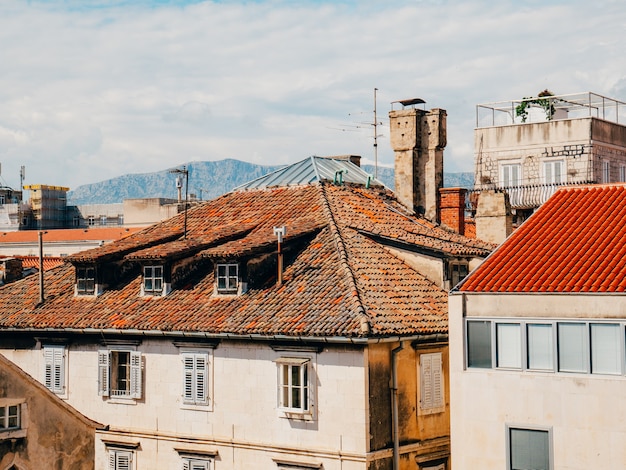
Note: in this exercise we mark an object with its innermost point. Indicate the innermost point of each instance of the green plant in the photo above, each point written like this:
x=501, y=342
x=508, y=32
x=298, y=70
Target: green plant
x=543, y=100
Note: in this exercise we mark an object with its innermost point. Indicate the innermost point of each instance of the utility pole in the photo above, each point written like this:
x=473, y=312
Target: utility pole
x=184, y=171
x=375, y=138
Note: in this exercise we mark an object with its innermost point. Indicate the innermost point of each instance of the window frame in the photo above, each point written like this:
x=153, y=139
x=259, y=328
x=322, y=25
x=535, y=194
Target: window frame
x=305, y=386
x=55, y=368
x=154, y=279
x=227, y=277
x=108, y=362
x=538, y=429
x=82, y=277
x=455, y=270
x=622, y=173
x=196, y=463
x=6, y=415
x=550, y=176
x=605, y=171
x=197, y=379
x=507, y=176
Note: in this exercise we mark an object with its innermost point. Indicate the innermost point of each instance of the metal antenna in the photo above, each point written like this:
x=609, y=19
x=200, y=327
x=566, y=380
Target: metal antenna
x=184, y=171
x=375, y=138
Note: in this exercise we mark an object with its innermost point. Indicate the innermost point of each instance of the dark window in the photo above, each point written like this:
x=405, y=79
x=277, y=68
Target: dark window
x=85, y=280
x=479, y=344
x=227, y=278
x=152, y=279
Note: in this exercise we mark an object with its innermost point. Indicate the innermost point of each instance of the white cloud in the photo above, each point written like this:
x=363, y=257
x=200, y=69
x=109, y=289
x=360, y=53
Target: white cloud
x=91, y=93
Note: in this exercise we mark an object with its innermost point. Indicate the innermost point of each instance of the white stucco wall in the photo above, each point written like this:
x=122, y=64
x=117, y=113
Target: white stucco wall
x=243, y=424
x=584, y=411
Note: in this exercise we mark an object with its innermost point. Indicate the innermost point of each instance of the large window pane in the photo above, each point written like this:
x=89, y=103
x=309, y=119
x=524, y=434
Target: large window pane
x=540, y=347
x=479, y=344
x=529, y=449
x=605, y=349
x=509, y=345
x=572, y=347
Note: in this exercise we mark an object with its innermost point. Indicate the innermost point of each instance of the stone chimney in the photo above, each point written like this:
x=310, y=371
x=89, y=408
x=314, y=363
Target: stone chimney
x=494, y=221
x=452, y=208
x=418, y=138
x=356, y=159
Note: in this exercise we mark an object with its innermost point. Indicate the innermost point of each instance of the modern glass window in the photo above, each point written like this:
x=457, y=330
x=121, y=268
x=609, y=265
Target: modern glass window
x=479, y=344
x=54, y=368
x=431, y=381
x=539, y=338
x=120, y=374
x=293, y=384
x=120, y=459
x=572, y=347
x=85, y=280
x=606, y=348
x=9, y=417
x=152, y=279
x=511, y=174
x=195, y=378
x=509, y=345
x=528, y=449
x=553, y=172
x=227, y=278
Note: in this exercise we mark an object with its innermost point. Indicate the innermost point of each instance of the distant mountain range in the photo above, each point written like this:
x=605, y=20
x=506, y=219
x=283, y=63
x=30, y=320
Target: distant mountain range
x=207, y=180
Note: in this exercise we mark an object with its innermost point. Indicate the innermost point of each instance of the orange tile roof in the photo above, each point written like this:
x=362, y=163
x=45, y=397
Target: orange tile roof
x=49, y=262
x=337, y=280
x=70, y=234
x=575, y=242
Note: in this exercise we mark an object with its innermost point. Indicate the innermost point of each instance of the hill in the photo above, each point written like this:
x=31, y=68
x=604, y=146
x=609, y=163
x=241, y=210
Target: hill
x=207, y=180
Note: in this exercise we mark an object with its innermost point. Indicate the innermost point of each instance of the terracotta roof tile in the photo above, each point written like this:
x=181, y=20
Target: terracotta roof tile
x=575, y=242
x=337, y=279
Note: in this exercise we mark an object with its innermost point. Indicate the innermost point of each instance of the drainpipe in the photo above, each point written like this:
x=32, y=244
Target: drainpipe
x=41, y=293
x=394, y=406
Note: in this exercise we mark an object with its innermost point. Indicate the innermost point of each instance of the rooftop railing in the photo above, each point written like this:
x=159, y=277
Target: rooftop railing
x=552, y=107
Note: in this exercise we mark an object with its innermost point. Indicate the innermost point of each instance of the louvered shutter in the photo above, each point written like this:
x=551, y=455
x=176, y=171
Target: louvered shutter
x=186, y=464
x=104, y=364
x=437, y=380
x=135, y=374
x=123, y=461
x=112, y=460
x=427, y=381
x=201, y=378
x=48, y=356
x=59, y=369
x=188, y=371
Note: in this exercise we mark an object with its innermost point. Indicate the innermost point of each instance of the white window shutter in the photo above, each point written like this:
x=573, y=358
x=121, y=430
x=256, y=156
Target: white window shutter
x=112, y=460
x=426, y=381
x=201, y=378
x=104, y=364
x=48, y=356
x=135, y=374
x=123, y=461
x=437, y=380
x=186, y=464
x=188, y=375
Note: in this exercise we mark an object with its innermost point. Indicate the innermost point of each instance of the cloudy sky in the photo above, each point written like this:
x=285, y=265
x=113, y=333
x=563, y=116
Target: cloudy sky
x=93, y=89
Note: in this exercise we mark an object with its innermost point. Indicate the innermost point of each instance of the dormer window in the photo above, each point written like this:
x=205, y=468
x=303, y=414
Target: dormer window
x=85, y=280
x=227, y=278
x=153, y=280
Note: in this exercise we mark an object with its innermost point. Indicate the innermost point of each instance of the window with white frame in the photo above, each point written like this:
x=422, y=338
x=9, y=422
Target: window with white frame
x=91, y=220
x=195, y=377
x=85, y=280
x=153, y=279
x=622, y=173
x=458, y=272
x=103, y=220
x=553, y=172
x=529, y=449
x=10, y=417
x=587, y=347
x=510, y=174
x=606, y=171
x=293, y=385
x=227, y=278
x=431, y=382
x=479, y=344
x=197, y=464
x=2, y=199
x=120, y=373
x=54, y=358
x=120, y=459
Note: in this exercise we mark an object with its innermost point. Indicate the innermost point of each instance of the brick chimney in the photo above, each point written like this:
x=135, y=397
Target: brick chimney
x=452, y=208
x=418, y=138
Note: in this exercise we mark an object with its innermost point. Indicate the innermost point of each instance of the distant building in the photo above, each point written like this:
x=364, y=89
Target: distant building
x=537, y=341
x=530, y=147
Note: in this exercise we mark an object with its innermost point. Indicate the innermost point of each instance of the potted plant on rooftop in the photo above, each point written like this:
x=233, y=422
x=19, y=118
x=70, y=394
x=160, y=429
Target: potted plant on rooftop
x=543, y=100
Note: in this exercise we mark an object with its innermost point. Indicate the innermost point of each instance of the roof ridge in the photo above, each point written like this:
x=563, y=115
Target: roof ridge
x=343, y=257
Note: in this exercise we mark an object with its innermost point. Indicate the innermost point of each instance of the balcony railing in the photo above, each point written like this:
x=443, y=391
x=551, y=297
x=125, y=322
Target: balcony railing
x=578, y=105
x=521, y=197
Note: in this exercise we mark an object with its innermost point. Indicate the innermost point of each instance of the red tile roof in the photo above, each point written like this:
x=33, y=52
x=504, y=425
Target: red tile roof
x=575, y=242
x=338, y=280
x=49, y=262
x=70, y=234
